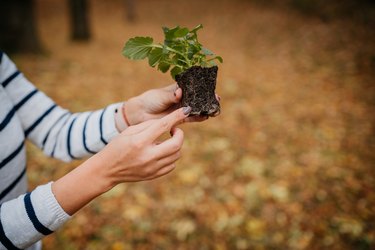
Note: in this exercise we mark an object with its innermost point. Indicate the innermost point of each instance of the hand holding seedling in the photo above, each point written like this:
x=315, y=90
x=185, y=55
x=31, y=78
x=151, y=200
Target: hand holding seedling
x=135, y=155
x=154, y=104
x=190, y=64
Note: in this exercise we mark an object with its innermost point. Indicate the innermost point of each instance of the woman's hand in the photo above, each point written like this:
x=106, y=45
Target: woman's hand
x=137, y=155
x=154, y=104
x=134, y=155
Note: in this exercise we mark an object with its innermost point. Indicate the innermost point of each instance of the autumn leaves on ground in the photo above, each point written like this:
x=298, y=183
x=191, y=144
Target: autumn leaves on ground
x=289, y=164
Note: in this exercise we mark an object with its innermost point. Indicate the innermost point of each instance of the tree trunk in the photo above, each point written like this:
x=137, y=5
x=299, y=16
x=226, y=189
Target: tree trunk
x=79, y=16
x=130, y=10
x=18, y=31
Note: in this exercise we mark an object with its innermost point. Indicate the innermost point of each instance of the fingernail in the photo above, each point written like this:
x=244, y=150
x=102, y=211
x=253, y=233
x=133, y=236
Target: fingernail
x=174, y=93
x=186, y=110
x=219, y=97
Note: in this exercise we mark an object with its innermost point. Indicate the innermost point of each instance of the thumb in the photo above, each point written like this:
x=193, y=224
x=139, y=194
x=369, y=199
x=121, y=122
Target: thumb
x=171, y=94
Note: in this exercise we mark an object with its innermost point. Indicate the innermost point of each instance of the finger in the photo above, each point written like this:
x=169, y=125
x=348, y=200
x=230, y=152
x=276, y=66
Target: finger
x=165, y=112
x=162, y=125
x=168, y=160
x=161, y=164
x=171, y=87
x=171, y=145
x=171, y=95
x=178, y=95
x=163, y=171
x=135, y=129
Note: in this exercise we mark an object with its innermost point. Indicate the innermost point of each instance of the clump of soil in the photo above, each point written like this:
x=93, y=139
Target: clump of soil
x=198, y=90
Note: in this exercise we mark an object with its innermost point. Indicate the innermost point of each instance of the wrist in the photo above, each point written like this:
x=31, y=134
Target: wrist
x=124, y=114
x=133, y=110
x=80, y=186
x=97, y=171
x=121, y=121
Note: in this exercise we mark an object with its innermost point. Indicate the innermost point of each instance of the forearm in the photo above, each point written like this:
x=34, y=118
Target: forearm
x=134, y=155
x=58, y=132
x=80, y=186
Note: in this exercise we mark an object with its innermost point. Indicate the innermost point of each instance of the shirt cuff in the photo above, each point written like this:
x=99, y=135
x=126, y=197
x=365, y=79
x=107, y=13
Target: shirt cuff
x=109, y=122
x=47, y=208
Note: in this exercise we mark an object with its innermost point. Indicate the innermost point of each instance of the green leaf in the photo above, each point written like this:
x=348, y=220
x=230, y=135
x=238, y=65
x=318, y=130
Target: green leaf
x=193, y=50
x=169, y=33
x=211, y=61
x=180, y=50
x=181, y=32
x=219, y=58
x=175, y=71
x=155, y=56
x=163, y=66
x=207, y=52
x=210, y=64
x=138, y=48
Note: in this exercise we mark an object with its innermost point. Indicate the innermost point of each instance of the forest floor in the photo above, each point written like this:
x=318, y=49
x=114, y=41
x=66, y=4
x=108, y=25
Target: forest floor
x=289, y=163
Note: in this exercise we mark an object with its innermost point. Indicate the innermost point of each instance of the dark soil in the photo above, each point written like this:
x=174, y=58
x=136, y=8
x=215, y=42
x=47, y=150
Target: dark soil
x=198, y=90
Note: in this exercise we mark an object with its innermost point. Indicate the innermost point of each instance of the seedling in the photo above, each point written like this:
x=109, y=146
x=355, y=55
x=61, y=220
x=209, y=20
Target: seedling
x=191, y=65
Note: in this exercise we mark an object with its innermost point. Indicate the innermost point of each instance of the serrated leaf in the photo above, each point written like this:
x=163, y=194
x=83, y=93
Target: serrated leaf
x=138, y=48
x=163, y=67
x=155, y=56
x=180, y=50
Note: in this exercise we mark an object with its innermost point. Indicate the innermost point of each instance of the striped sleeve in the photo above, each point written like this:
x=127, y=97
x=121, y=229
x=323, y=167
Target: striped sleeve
x=30, y=217
x=58, y=132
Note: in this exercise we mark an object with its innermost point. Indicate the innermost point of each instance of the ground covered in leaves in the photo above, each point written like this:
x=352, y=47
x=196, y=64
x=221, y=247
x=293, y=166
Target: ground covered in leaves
x=289, y=163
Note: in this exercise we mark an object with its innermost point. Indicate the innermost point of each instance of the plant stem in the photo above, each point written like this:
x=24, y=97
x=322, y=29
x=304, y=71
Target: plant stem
x=175, y=51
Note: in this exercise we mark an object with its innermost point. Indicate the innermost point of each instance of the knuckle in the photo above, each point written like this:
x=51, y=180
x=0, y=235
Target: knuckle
x=179, y=115
x=172, y=166
x=164, y=124
x=148, y=171
x=175, y=146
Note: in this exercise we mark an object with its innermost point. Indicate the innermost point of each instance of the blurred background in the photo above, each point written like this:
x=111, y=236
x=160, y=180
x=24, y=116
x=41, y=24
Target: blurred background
x=289, y=163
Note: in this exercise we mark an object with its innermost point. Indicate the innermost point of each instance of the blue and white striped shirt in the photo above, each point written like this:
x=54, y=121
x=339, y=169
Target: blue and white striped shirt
x=27, y=113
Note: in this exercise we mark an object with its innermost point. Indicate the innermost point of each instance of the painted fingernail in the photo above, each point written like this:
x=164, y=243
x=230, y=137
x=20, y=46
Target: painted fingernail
x=186, y=110
x=218, y=98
